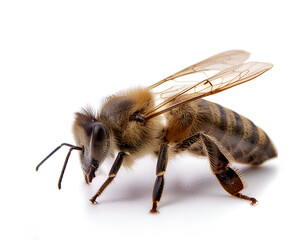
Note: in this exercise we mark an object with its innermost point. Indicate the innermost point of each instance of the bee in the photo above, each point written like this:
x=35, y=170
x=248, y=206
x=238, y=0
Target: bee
x=143, y=121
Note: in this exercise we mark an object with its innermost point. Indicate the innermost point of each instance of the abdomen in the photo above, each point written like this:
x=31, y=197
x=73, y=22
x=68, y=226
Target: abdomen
x=236, y=134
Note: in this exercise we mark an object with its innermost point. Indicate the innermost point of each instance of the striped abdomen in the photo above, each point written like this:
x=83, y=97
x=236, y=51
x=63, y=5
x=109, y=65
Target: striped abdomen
x=239, y=136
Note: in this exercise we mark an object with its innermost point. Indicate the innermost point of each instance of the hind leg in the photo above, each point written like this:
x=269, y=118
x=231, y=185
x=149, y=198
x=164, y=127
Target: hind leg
x=227, y=177
x=220, y=165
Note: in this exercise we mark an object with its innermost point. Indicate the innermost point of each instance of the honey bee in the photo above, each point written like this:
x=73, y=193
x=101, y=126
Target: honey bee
x=134, y=123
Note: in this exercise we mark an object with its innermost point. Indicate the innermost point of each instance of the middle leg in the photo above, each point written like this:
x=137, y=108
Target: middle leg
x=160, y=171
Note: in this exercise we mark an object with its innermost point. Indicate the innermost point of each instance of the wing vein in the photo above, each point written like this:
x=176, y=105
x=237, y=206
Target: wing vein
x=232, y=72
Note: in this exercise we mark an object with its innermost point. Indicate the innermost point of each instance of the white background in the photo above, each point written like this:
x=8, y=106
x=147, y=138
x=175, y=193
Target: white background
x=59, y=56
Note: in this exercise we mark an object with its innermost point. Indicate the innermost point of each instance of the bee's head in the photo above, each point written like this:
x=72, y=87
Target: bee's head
x=94, y=139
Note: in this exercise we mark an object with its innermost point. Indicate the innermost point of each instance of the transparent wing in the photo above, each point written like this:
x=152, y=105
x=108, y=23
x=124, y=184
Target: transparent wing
x=221, y=81
x=218, y=62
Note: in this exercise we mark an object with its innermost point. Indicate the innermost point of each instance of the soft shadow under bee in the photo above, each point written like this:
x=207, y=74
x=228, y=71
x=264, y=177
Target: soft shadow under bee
x=203, y=185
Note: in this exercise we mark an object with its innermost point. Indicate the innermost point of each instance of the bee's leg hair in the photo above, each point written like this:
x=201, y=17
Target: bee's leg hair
x=188, y=142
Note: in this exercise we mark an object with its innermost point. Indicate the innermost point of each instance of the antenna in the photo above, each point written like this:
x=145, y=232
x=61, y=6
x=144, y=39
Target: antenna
x=72, y=147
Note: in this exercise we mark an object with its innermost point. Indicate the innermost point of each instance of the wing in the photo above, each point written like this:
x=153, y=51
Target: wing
x=223, y=80
x=218, y=62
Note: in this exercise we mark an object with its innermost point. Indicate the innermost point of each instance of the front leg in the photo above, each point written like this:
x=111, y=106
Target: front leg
x=160, y=171
x=113, y=172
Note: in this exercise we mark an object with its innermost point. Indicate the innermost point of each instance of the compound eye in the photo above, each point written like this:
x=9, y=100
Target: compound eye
x=98, y=133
